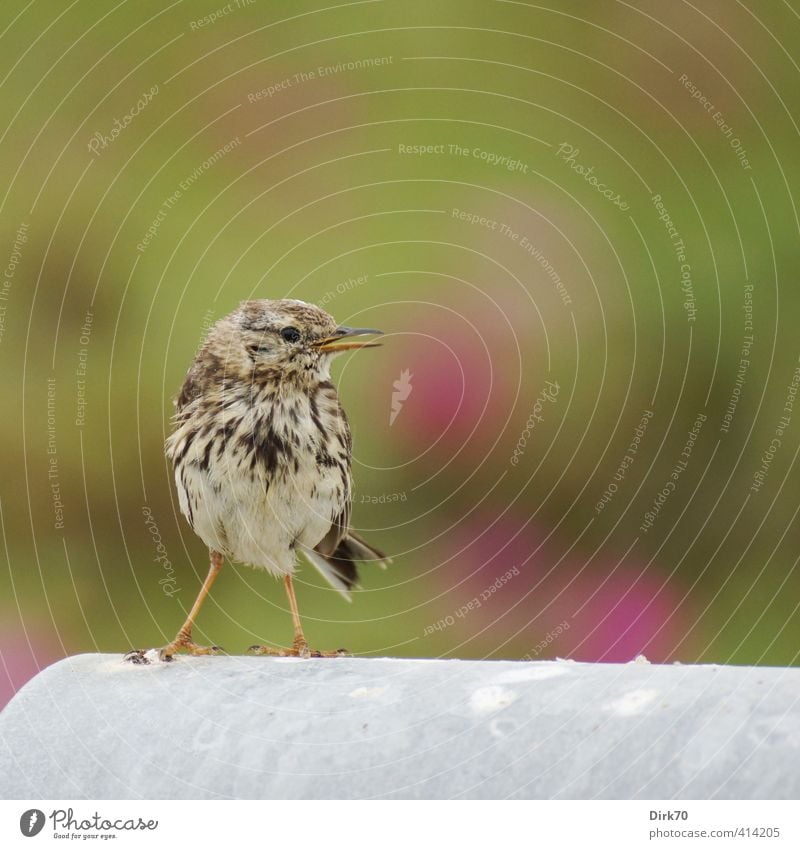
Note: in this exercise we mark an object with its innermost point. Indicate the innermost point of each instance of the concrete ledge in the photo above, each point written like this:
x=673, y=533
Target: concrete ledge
x=273, y=728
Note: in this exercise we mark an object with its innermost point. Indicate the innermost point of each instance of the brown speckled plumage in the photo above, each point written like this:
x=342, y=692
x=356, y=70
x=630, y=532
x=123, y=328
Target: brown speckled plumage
x=262, y=450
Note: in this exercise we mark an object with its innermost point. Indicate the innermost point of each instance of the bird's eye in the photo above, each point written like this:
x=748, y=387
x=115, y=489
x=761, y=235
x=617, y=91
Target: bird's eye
x=290, y=334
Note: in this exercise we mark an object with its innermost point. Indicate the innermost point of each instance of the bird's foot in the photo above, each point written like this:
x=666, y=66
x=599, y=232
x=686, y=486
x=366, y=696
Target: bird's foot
x=299, y=649
x=167, y=653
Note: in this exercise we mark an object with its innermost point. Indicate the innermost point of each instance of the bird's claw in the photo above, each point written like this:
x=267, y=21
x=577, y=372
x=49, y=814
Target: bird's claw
x=337, y=653
x=166, y=654
x=268, y=650
x=298, y=650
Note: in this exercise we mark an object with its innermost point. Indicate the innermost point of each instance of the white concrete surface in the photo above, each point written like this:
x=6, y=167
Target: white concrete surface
x=257, y=727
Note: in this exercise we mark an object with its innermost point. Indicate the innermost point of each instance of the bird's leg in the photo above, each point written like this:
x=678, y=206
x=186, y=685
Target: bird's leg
x=183, y=640
x=299, y=645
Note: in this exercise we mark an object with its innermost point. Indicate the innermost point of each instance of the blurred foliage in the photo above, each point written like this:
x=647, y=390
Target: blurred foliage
x=318, y=196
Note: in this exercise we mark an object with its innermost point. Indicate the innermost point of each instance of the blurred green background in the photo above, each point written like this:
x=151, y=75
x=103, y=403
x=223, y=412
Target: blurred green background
x=572, y=219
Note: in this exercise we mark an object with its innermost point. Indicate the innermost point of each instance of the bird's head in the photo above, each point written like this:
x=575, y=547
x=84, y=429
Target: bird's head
x=292, y=337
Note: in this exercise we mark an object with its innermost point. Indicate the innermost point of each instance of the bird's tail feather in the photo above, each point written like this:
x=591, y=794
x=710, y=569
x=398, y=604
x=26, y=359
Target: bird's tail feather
x=339, y=569
x=355, y=547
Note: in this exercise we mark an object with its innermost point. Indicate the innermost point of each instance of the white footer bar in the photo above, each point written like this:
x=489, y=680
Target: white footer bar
x=400, y=824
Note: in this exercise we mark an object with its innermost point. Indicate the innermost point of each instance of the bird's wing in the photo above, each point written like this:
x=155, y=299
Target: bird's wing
x=341, y=521
x=338, y=531
x=341, y=575
x=207, y=370
x=337, y=553
x=189, y=390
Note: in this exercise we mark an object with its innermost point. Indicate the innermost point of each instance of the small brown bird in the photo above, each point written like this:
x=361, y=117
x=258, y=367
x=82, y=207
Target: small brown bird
x=262, y=454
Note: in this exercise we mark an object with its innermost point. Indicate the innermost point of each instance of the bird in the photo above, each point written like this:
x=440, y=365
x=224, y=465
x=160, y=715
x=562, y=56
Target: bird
x=262, y=456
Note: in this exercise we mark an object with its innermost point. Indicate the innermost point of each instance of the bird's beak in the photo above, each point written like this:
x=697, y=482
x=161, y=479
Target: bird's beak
x=339, y=341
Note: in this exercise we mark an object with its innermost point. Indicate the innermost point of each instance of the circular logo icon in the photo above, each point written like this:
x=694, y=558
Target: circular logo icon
x=31, y=822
